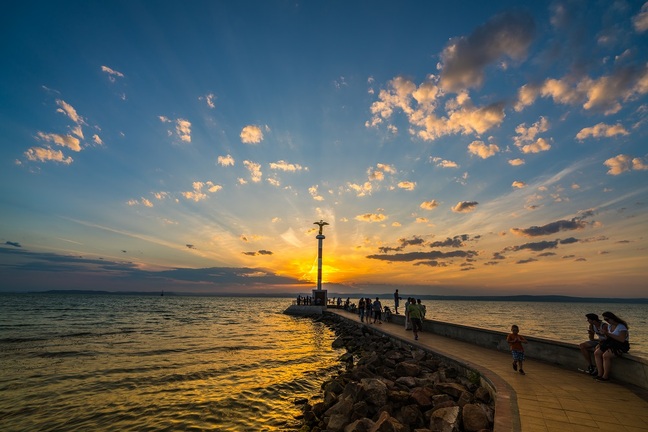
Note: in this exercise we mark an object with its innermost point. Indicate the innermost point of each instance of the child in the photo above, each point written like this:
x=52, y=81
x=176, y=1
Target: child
x=515, y=341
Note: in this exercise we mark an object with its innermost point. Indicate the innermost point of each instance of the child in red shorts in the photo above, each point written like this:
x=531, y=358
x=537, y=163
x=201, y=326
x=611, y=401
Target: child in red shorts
x=515, y=341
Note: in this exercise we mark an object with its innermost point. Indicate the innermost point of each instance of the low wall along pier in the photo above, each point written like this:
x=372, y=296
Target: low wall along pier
x=628, y=369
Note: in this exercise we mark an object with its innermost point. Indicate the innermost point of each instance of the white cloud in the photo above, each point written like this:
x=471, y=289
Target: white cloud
x=482, y=150
x=407, y=185
x=371, y=217
x=285, y=166
x=209, y=98
x=640, y=21
x=623, y=163
x=67, y=141
x=225, y=160
x=429, y=205
x=69, y=111
x=540, y=145
x=97, y=139
x=602, y=130
x=444, y=163
x=315, y=194
x=183, y=129
x=518, y=184
x=40, y=154
x=516, y=162
x=603, y=94
x=251, y=134
x=112, y=74
x=255, y=170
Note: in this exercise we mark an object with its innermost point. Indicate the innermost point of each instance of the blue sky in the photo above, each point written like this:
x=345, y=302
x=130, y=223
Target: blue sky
x=453, y=147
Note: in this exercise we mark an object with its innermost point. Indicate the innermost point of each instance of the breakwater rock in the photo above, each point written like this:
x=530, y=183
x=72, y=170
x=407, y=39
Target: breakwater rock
x=391, y=387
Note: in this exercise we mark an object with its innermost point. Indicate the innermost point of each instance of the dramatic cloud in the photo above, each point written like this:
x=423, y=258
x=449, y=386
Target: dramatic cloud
x=456, y=242
x=623, y=163
x=464, y=59
x=550, y=228
x=251, y=135
x=465, y=207
x=482, y=150
x=14, y=244
x=417, y=256
x=602, y=130
x=518, y=184
x=257, y=253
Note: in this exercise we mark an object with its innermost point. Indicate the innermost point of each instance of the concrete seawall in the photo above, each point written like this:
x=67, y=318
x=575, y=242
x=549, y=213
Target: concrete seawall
x=627, y=369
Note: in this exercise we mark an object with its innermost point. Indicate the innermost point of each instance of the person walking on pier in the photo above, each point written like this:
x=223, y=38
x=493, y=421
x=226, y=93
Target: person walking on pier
x=416, y=317
x=361, y=308
x=377, y=309
x=515, y=341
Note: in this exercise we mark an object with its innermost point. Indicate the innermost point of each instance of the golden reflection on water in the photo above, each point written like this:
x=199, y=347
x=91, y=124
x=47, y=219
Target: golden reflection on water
x=138, y=363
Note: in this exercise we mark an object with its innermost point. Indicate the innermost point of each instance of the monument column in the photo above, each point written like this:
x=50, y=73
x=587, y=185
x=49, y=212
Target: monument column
x=319, y=295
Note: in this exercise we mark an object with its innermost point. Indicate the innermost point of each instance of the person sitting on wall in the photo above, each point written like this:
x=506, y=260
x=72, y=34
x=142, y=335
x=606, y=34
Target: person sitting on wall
x=617, y=342
x=387, y=314
x=587, y=348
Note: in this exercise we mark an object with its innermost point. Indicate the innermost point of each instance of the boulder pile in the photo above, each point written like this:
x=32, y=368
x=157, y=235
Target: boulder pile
x=390, y=387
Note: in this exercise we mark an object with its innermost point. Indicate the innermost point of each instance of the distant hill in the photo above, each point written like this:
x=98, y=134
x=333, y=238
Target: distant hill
x=510, y=298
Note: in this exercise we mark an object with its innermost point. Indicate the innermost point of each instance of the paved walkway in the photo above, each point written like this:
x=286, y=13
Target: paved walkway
x=548, y=398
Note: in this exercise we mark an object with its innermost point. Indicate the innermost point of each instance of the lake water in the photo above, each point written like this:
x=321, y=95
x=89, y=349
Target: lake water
x=138, y=363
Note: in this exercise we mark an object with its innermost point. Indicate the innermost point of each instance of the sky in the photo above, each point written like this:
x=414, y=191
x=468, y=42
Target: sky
x=453, y=148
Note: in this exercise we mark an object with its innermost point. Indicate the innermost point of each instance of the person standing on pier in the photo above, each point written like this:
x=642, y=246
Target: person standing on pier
x=396, y=301
x=361, y=308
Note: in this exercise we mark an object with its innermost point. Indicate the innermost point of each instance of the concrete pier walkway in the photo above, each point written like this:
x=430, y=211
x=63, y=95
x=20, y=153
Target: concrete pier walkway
x=547, y=398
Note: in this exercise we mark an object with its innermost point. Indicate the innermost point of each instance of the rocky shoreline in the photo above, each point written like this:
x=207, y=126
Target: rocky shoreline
x=391, y=387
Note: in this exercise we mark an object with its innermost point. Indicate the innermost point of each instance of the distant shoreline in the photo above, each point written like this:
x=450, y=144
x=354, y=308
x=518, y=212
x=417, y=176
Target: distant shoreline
x=508, y=298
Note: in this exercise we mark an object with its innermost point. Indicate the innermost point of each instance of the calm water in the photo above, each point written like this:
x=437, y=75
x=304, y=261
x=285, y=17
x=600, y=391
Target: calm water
x=104, y=362
x=556, y=321
x=101, y=362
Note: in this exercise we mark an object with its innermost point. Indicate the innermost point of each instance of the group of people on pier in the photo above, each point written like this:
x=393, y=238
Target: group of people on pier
x=608, y=338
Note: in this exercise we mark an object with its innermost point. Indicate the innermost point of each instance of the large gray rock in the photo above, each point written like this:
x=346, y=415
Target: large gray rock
x=375, y=391
x=453, y=389
x=474, y=418
x=407, y=369
x=446, y=420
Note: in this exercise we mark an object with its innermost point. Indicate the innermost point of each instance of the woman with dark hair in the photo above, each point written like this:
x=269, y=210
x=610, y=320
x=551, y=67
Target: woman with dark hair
x=617, y=342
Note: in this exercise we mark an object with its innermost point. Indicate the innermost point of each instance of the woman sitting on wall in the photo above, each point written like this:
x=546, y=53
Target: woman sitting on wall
x=617, y=342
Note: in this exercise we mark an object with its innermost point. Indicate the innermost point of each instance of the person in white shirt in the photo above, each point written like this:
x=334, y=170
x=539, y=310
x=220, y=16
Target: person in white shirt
x=617, y=342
